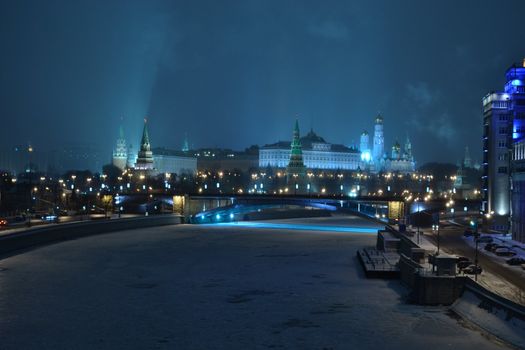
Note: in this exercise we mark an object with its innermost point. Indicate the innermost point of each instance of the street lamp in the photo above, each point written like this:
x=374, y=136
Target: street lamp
x=417, y=218
x=476, y=237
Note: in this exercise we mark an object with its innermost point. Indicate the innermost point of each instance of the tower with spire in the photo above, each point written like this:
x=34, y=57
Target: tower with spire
x=145, y=156
x=296, y=168
x=120, y=153
x=408, y=150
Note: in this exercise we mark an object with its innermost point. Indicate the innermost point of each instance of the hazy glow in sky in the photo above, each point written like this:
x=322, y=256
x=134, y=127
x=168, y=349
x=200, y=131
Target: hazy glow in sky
x=236, y=73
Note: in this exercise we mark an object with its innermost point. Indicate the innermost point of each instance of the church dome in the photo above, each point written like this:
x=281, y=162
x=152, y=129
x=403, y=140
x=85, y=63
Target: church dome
x=396, y=146
x=379, y=119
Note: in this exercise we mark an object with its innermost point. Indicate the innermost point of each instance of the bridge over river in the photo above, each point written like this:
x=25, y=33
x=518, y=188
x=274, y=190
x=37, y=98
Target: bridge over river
x=199, y=208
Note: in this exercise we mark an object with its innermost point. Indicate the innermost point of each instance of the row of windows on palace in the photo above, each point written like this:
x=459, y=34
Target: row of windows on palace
x=312, y=159
x=325, y=158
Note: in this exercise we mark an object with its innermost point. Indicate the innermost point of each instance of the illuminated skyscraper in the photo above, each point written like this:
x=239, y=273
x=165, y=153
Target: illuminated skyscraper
x=515, y=87
x=496, y=142
x=120, y=153
x=503, y=157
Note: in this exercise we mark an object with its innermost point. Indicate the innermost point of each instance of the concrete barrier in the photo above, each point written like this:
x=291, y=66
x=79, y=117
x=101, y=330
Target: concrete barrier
x=55, y=233
x=408, y=269
x=437, y=290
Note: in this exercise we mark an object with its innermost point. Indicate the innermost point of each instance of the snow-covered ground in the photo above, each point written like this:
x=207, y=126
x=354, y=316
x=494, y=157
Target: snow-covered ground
x=494, y=320
x=215, y=287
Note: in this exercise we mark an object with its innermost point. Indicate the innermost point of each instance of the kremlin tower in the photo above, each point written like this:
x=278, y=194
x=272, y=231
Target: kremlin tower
x=145, y=156
x=296, y=171
x=120, y=153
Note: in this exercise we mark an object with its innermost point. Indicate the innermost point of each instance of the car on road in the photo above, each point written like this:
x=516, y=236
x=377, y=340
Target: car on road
x=485, y=239
x=472, y=270
x=516, y=261
x=49, y=217
x=504, y=252
x=3, y=222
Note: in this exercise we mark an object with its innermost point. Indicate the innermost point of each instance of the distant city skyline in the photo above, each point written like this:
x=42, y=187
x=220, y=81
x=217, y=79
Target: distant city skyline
x=237, y=73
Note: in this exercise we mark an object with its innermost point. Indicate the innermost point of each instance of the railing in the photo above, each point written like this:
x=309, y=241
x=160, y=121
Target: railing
x=515, y=310
x=54, y=233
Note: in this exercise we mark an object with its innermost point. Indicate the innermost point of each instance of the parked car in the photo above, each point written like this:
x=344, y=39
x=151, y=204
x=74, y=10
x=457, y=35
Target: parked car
x=504, y=252
x=464, y=264
x=463, y=258
x=3, y=222
x=490, y=246
x=516, y=261
x=495, y=246
x=472, y=269
x=468, y=232
x=20, y=218
x=485, y=239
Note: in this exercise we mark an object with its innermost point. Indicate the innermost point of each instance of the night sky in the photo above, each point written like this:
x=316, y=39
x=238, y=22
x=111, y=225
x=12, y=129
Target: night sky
x=236, y=73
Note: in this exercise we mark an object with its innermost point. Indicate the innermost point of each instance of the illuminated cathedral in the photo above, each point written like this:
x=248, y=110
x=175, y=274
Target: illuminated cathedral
x=375, y=159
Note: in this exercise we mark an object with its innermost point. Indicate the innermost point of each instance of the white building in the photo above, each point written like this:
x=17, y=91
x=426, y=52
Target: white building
x=173, y=162
x=317, y=154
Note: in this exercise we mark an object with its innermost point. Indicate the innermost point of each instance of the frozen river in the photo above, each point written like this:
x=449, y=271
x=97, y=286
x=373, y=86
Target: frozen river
x=216, y=287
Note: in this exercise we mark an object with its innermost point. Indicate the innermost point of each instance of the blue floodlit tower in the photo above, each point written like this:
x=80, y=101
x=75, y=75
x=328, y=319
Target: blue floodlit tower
x=364, y=147
x=378, y=149
x=515, y=88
